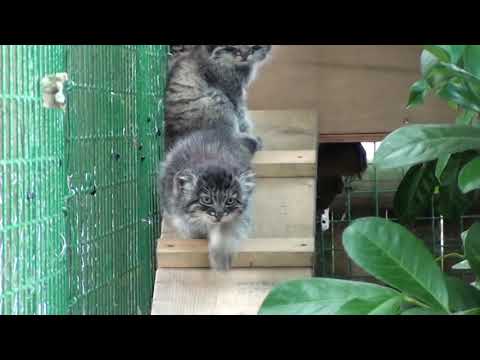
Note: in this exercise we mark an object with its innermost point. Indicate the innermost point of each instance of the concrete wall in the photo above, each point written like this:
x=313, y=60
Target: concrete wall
x=354, y=88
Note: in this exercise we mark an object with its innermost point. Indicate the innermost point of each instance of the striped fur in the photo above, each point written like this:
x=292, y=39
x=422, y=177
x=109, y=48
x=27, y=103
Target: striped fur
x=207, y=88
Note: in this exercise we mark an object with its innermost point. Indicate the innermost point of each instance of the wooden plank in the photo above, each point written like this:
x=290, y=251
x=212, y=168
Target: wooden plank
x=286, y=129
x=206, y=292
x=284, y=208
x=351, y=138
x=285, y=163
x=255, y=253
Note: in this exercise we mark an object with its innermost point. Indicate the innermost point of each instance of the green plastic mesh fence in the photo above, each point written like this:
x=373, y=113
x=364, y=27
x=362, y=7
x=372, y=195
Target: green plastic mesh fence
x=78, y=211
x=33, y=261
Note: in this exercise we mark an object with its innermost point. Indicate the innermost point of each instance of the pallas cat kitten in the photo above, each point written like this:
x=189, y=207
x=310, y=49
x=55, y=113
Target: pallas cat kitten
x=207, y=86
x=206, y=185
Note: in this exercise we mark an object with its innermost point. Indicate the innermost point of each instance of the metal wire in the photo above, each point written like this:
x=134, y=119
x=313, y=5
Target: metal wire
x=372, y=196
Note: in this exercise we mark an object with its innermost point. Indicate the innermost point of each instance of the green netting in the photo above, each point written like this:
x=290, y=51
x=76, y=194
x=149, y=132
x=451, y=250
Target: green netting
x=78, y=218
x=32, y=225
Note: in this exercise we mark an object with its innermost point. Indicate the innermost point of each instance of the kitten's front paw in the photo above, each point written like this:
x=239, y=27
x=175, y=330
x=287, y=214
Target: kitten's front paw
x=253, y=143
x=220, y=261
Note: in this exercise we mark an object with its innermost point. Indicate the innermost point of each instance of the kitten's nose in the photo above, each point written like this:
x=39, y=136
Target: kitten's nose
x=219, y=215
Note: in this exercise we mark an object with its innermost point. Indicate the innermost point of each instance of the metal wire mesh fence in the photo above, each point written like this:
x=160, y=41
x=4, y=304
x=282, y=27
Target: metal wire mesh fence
x=373, y=196
x=78, y=218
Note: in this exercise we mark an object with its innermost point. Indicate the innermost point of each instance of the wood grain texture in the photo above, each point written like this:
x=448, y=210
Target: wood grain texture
x=286, y=129
x=353, y=88
x=271, y=164
x=255, y=253
x=206, y=292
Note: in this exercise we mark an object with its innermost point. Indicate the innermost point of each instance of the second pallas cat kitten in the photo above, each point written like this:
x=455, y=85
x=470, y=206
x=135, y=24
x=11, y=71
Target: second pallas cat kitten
x=207, y=87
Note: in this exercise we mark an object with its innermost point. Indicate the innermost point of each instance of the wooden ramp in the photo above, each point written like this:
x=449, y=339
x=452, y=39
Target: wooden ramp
x=281, y=246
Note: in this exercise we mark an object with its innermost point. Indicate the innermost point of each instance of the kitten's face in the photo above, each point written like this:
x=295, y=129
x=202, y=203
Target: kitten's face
x=215, y=196
x=238, y=55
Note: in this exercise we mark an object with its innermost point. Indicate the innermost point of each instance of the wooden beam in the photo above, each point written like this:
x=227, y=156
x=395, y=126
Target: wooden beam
x=351, y=138
x=266, y=252
x=275, y=164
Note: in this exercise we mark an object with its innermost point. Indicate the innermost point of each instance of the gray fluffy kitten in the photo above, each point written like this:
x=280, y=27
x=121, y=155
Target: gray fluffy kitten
x=206, y=185
x=207, y=88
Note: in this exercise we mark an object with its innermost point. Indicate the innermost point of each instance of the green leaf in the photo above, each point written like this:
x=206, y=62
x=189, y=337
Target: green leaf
x=320, y=296
x=452, y=202
x=392, y=306
x=392, y=254
x=442, y=163
x=472, y=248
x=461, y=296
x=469, y=177
x=418, y=92
x=461, y=95
x=422, y=311
x=416, y=144
x=414, y=194
x=466, y=118
x=443, y=73
x=463, y=265
x=455, y=85
x=472, y=59
x=455, y=164
x=452, y=105
x=357, y=307
x=475, y=311
x=427, y=62
x=447, y=53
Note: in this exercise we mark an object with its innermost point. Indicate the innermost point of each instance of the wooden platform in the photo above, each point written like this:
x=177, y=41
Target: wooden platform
x=281, y=245
x=205, y=292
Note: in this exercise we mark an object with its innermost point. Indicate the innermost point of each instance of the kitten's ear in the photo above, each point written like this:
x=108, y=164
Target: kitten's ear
x=247, y=181
x=184, y=181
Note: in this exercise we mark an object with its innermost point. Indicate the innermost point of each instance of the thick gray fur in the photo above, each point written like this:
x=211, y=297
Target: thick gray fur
x=206, y=184
x=207, y=89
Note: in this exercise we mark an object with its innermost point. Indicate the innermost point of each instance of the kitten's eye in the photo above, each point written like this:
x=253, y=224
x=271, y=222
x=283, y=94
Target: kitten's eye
x=206, y=199
x=256, y=48
x=230, y=201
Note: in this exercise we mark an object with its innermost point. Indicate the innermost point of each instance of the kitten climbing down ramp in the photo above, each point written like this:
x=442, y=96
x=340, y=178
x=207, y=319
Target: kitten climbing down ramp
x=281, y=246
